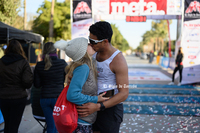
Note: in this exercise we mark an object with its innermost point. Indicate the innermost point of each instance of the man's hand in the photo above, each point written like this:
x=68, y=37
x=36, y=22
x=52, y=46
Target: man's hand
x=88, y=109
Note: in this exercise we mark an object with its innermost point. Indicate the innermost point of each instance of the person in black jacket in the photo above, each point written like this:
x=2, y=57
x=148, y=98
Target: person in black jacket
x=179, y=66
x=49, y=75
x=151, y=56
x=15, y=77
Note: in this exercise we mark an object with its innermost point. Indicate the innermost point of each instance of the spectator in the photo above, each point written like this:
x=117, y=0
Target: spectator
x=15, y=77
x=49, y=75
x=151, y=56
x=179, y=66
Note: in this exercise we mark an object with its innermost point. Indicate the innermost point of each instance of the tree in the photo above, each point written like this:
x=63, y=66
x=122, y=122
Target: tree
x=118, y=41
x=62, y=24
x=157, y=35
x=166, y=46
x=160, y=30
x=9, y=10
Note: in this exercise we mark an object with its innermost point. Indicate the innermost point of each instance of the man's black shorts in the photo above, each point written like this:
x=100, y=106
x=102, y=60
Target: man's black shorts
x=109, y=120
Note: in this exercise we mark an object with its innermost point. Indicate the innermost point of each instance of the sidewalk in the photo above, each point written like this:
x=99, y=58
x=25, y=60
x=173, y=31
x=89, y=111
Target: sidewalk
x=146, y=123
x=28, y=123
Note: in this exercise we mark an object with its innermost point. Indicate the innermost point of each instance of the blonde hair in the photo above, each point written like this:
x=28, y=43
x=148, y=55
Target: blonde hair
x=86, y=59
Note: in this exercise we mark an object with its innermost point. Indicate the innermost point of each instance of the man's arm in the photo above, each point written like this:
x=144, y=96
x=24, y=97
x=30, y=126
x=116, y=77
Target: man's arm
x=120, y=68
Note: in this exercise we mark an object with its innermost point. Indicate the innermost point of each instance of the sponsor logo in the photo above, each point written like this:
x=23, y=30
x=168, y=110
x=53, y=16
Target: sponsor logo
x=191, y=68
x=190, y=74
x=192, y=52
x=191, y=62
x=192, y=47
x=136, y=18
x=171, y=6
x=81, y=26
x=127, y=7
x=82, y=34
x=194, y=6
x=194, y=34
x=193, y=10
x=82, y=7
x=82, y=10
x=192, y=57
x=192, y=40
x=192, y=25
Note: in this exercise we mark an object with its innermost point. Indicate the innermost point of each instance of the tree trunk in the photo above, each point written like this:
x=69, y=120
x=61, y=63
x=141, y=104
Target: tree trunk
x=24, y=14
x=51, y=22
x=162, y=45
x=156, y=45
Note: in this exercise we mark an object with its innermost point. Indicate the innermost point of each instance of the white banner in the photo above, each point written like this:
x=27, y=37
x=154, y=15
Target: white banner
x=81, y=18
x=174, y=7
x=191, y=48
x=81, y=28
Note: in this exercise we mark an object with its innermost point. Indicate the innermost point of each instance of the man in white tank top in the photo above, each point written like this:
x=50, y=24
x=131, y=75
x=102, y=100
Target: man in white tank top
x=112, y=78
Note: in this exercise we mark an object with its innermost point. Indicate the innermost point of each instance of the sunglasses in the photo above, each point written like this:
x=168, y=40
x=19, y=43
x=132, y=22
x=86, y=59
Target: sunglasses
x=94, y=42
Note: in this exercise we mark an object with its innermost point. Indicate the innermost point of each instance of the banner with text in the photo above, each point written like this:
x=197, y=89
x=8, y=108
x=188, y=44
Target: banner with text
x=82, y=18
x=119, y=9
x=191, y=42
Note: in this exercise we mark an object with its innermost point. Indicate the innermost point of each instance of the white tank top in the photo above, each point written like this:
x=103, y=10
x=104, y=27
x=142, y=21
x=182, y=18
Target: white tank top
x=106, y=78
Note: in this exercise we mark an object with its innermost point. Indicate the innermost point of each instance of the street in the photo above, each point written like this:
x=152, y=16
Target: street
x=152, y=105
x=170, y=120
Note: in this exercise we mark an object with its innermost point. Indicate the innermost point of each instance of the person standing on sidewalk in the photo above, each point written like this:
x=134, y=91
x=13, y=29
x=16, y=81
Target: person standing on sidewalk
x=179, y=66
x=49, y=75
x=151, y=56
x=112, y=78
x=15, y=77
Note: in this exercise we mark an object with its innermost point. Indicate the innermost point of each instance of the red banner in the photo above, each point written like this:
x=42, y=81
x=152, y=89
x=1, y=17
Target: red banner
x=138, y=7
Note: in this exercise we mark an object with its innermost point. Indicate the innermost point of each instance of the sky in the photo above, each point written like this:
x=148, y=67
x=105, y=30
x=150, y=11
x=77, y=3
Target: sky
x=131, y=31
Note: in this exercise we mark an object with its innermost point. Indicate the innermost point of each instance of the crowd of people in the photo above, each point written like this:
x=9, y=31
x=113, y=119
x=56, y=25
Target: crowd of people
x=96, y=66
x=152, y=56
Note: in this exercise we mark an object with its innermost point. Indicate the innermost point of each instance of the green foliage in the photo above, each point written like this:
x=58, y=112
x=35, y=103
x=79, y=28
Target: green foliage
x=118, y=41
x=9, y=10
x=18, y=23
x=158, y=35
x=172, y=45
x=62, y=24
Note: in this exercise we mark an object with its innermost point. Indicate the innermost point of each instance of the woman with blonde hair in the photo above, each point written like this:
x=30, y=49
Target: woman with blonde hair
x=49, y=75
x=15, y=77
x=83, y=85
